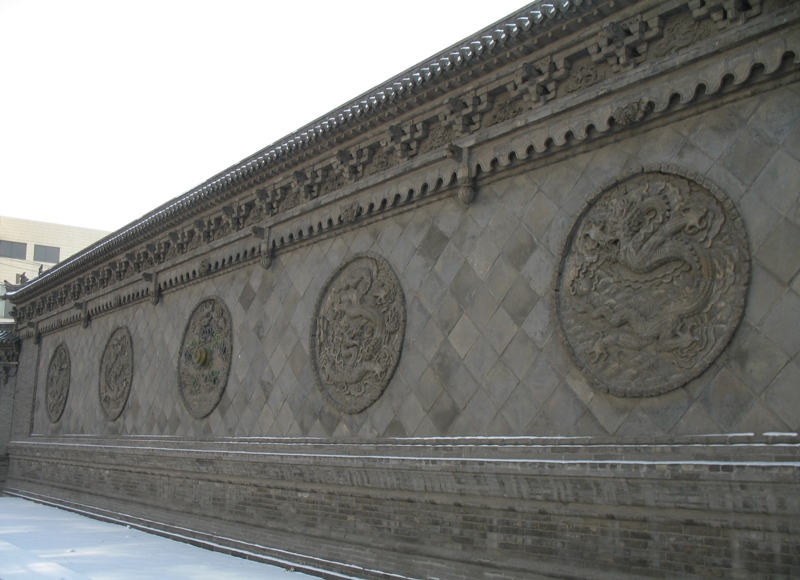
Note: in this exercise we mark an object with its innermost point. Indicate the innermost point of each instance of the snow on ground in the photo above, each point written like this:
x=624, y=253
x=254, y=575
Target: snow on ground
x=38, y=541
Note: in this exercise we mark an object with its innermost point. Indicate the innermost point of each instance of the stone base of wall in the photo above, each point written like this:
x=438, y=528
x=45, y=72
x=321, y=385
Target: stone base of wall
x=446, y=508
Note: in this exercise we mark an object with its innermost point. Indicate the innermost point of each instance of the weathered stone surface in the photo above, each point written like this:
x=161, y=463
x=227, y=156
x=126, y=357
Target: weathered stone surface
x=58, y=381
x=205, y=357
x=652, y=282
x=357, y=332
x=116, y=373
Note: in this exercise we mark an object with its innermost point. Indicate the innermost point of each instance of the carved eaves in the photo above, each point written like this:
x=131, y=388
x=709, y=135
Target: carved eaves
x=540, y=101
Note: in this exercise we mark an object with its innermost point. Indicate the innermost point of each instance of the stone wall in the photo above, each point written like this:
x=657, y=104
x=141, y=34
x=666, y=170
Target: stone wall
x=483, y=353
x=473, y=508
x=540, y=322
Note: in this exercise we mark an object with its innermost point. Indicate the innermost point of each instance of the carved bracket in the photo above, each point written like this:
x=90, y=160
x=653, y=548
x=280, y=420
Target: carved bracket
x=155, y=291
x=83, y=308
x=623, y=45
x=725, y=13
x=265, y=248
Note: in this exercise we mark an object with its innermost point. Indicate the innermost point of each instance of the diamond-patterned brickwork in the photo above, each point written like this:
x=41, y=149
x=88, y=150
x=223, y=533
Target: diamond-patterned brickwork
x=481, y=352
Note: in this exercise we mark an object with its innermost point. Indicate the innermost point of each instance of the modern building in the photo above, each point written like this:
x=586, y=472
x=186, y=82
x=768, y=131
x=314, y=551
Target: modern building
x=29, y=247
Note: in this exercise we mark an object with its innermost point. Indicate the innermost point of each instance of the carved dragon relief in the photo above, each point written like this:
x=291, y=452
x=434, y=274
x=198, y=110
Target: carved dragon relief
x=357, y=332
x=205, y=357
x=652, y=282
x=618, y=47
x=116, y=373
x=57, y=383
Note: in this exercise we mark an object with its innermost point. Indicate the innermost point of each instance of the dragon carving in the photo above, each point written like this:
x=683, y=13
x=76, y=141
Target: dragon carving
x=652, y=283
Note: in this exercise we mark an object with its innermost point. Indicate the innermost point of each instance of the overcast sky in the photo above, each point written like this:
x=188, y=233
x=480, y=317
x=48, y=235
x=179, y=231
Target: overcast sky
x=110, y=108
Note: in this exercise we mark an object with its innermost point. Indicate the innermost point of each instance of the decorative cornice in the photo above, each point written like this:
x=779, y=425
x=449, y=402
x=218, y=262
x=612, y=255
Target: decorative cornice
x=406, y=89
x=538, y=92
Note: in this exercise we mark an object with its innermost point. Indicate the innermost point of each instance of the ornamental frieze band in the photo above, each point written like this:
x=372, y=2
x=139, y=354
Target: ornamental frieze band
x=617, y=48
x=357, y=332
x=652, y=282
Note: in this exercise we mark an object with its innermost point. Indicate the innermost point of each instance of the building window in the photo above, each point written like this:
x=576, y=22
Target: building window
x=45, y=254
x=15, y=250
x=5, y=305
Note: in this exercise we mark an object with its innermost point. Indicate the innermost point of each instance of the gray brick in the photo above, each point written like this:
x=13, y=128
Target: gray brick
x=444, y=413
x=775, y=117
x=542, y=379
x=667, y=409
x=519, y=246
x=463, y=335
x=638, y=423
x=714, y=132
x=483, y=256
x=432, y=292
x=500, y=382
x=564, y=409
x=481, y=306
x=466, y=236
x=481, y=358
x=760, y=419
x=519, y=409
x=449, y=263
x=433, y=244
x=776, y=254
x=465, y=284
x=783, y=396
x=726, y=399
x=520, y=354
x=411, y=413
x=519, y=301
x=781, y=326
x=765, y=290
x=430, y=339
x=747, y=155
x=481, y=410
x=500, y=330
x=448, y=312
x=428, y=389
x=538, y=324
x=539, y=271
x=501, y=226
x=757, y=361
x=540, y=213
x=501, y=277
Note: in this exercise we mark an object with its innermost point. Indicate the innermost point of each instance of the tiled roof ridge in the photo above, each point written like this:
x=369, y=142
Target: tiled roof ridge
x=497, y=34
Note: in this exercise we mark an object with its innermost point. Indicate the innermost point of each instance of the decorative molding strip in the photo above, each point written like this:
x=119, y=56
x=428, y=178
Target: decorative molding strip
x=533, y=106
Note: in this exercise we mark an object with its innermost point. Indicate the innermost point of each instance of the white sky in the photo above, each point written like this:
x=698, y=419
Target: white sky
x=110, y=108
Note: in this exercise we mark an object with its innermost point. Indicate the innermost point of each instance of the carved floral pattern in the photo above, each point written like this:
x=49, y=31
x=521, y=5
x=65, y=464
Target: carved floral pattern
x=116, y=373
x=438, y=137
x=357, y=332
x=652, y=283
x=584, y=76
x=205, y=357
x=57, y=386
x=679, y=34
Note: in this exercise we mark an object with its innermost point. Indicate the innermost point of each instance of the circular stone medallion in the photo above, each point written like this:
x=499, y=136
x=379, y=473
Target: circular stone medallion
x=205, y=357
x=57, y=386
x=652, y=282
x=116, y=373
x=357, y=332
